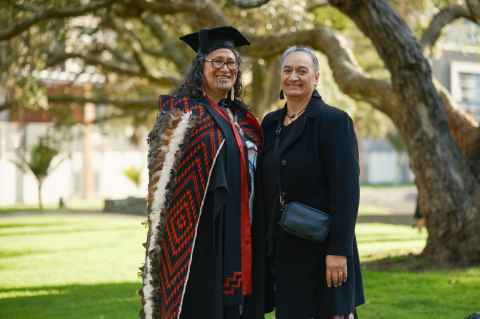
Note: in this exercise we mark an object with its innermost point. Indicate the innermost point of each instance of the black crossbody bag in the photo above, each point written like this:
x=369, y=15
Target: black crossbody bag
x=297, y=218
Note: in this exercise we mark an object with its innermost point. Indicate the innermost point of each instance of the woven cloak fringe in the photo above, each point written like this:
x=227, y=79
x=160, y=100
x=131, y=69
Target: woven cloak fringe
x=165, y=140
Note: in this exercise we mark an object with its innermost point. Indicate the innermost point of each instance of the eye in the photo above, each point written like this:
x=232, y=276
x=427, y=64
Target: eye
x=217, y=63
x=302, y=71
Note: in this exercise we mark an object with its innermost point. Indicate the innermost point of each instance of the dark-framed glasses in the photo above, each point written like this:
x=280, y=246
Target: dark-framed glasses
x=218, y=64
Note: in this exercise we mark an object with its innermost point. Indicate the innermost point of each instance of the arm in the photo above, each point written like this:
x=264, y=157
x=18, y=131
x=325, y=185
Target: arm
x=343, y=171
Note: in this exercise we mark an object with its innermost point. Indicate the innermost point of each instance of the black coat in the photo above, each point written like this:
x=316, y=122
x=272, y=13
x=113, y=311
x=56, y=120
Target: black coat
x=318, y=166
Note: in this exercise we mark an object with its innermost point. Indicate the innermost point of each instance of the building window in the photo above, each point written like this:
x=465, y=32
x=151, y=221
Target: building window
x=465, y=83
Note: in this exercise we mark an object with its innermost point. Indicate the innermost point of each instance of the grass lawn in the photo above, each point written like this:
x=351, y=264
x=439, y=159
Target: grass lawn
x=72, y=205
x=85, y=266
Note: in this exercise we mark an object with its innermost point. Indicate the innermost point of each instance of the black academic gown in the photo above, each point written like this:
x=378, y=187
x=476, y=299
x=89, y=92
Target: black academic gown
x=204, y=292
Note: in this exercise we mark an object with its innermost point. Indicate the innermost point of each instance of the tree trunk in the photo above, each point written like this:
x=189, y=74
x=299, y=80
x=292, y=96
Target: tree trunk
x=449, y=192
x=40, y=187
x=265, y=86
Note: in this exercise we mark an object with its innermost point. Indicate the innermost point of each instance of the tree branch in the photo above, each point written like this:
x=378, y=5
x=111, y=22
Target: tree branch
x=249, y=4
x=443, y=18
x=170, y=45
x=349, y=76
x=137, y=72
x=52, y=13
x=474, y=8
x=130, y=105
x=4, y=107
x=207, y=10
x=315, y=4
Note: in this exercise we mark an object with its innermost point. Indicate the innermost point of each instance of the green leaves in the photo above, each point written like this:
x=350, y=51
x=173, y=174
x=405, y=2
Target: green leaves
x=134, y=174
x=39, y=158
x=42, y=155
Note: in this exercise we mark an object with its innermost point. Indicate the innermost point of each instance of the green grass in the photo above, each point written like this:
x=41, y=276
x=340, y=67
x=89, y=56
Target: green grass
x=387, y=185
x=72, y=204
x=62, y=266
x=85, y=266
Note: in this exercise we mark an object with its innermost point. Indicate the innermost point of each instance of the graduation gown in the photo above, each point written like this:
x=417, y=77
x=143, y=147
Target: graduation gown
x=191, y=192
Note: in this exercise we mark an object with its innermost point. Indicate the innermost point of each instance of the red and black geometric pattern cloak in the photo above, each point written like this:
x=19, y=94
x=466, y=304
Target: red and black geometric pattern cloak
x=184, y=145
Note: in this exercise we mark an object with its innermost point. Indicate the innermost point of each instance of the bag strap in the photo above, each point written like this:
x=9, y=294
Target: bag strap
x=276, y=149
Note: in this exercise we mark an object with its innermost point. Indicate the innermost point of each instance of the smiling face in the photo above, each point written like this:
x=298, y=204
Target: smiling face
x=298, y=78
x=219, y=80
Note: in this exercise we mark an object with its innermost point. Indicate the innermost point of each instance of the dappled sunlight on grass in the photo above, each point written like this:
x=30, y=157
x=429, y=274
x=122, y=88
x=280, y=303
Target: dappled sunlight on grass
x=79, y=266
x=79, y=249
x=72, y=204
x=382, y=240
x=373, y=210
x=107, y=301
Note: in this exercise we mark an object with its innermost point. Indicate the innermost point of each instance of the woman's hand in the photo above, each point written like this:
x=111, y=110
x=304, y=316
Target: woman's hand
x=336, y=270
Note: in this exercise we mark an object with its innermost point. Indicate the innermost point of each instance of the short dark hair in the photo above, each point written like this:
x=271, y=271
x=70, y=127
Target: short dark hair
x=193, y=83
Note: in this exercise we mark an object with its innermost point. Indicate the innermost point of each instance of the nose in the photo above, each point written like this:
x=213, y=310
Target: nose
x=224, y=66
x=294, y=76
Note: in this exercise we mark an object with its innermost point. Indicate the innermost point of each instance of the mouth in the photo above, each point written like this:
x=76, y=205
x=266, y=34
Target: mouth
x=223, y=77
x=293, y=86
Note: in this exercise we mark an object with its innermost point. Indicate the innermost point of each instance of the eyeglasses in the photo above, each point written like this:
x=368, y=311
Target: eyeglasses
x=218, y=64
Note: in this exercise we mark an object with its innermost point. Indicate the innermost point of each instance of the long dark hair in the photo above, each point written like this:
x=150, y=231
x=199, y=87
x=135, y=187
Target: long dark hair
x=193, y=84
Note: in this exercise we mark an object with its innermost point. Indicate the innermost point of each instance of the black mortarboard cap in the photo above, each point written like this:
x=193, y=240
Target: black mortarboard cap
x=207, y=40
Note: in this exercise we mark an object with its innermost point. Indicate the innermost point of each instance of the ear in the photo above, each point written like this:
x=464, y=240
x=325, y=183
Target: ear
x=317, y=77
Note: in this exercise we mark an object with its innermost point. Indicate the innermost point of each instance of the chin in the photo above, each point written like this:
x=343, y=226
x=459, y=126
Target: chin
x=224, y=85
x=225, y=88
x=294, y=94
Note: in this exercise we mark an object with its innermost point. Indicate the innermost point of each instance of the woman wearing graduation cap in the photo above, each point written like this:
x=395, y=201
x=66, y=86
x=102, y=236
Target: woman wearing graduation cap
x=204, y=247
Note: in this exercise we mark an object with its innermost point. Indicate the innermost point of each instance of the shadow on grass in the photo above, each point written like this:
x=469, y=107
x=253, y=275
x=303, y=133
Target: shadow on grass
x=22, y=225
x=20, y=253
x=107, y=301
x=411, y=263
x=47, y=231
x=393, y=219
x=388, y=240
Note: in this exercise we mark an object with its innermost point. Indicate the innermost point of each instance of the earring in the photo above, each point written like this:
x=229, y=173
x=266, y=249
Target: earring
x=281, y=95
x=232, y=94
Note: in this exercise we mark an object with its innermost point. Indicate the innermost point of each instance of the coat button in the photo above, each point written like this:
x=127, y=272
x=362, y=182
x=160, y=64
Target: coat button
x=283, y=162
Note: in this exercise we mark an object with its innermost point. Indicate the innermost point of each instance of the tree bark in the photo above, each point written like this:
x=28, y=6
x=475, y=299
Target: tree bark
x=449, y=192
x=265, y=85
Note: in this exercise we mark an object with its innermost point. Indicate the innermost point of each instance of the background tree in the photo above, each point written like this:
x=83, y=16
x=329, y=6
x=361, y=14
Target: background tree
x=132, y=47
x=38, y=161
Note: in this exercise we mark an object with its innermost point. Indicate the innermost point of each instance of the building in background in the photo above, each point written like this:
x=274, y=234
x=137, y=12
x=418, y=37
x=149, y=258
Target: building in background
x=91, y=163
x=94, y=160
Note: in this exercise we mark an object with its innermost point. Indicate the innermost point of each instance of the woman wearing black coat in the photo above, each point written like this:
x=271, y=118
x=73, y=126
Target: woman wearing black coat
x=316, y=163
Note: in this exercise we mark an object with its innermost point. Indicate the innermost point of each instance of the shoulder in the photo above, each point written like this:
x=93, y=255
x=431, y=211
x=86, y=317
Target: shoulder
x=175, y=103
x=331, y=115
x=270, y=119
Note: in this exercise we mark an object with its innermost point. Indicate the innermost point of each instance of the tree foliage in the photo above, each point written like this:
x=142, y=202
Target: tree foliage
x=127, y=52
x=134, y=174
x=38, y=160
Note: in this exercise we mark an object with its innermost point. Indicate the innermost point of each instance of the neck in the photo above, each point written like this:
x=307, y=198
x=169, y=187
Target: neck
x=297, y=104
x=216, y=95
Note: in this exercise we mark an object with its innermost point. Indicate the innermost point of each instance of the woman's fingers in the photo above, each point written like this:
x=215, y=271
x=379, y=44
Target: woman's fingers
x=335, y=278
x=336, y=270
x=328, y=277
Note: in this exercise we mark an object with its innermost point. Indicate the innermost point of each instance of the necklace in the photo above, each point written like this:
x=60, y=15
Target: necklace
x=290, y=117
x=294, y=115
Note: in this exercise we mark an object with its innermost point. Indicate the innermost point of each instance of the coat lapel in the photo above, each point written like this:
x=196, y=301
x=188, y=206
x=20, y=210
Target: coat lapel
x=311, y=111
x=295, y=134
